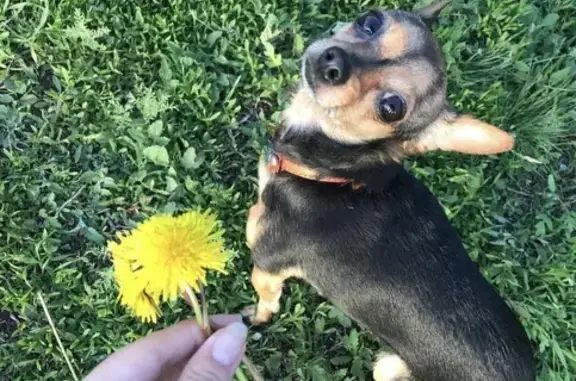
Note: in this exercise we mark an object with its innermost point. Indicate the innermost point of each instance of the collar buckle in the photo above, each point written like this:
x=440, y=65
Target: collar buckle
x=274, y=163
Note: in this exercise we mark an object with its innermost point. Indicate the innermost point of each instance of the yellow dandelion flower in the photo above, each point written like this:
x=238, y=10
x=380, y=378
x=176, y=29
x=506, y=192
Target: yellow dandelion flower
x=145, y=308
x=155, y=261
x=132, y=289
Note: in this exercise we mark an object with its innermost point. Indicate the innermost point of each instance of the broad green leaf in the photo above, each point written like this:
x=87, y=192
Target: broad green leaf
x=28, y=99
x=298, y=44
x=550, y=19
x=522, y=66
x=171, y=184
x=274, y=361
x=155, y=129
x=169, y=208
x=551, y=184
x=357, y=368
x=189, y=158
x=213, y=37
x=5, y=98
x=340, y=360
x=157, y=154
x=319, y=325
x=165, y=71
x=139, y=17
x=560, y=75
x=92, y=234
x=353, y=340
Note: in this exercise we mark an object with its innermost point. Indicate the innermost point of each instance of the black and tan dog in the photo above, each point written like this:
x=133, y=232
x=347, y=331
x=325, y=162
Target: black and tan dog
x=338, y=210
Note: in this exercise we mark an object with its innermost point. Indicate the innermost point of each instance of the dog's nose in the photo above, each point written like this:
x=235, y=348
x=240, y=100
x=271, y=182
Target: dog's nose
x=333, y=66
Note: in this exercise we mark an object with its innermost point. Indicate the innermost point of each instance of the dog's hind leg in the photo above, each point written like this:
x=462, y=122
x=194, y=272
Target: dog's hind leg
x=390, y=367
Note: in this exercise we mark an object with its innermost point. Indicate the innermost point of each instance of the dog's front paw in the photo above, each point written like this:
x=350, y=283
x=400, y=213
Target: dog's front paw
x=255, y=315
x=249, y=312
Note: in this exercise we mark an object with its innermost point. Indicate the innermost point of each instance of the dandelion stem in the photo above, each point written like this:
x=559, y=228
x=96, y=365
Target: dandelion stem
x=195, y=305
x=204, y=306
x=201, y=312
x=240, y=376
x=55, y=332
x=256, y=376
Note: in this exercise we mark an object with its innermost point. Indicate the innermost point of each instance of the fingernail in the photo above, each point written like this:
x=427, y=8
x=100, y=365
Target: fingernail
x=229, y=343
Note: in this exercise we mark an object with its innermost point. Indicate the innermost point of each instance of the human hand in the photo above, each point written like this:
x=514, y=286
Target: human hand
x=179, y=353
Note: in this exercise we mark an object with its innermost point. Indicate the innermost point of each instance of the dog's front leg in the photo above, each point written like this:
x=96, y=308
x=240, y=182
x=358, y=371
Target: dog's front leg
x=268, y=286
x=253, y=223
x=269, y=289
x=253, y=228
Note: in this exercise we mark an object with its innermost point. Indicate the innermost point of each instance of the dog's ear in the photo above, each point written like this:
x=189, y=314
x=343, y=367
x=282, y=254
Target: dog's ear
x=430, y=13
x=461, y=133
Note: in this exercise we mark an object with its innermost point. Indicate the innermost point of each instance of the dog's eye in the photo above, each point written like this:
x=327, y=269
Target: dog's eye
x=391, y=107
x=369, y=23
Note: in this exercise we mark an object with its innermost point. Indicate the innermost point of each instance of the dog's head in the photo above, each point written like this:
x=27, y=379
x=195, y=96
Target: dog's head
x=383, y=76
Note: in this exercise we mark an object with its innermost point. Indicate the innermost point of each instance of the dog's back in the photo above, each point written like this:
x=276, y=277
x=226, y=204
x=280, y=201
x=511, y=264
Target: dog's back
x=391, y=260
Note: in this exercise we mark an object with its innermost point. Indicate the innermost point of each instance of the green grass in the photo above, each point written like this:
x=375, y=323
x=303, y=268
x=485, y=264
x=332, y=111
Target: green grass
x=111, y=112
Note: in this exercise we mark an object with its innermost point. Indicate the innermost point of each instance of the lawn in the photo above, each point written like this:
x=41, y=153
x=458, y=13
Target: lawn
x=112, y=111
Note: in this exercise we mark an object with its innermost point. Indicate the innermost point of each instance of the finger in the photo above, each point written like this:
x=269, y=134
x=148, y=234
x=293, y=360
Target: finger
x=218, y=358
x=221, y=321
x=146, y=358
x=172, y=373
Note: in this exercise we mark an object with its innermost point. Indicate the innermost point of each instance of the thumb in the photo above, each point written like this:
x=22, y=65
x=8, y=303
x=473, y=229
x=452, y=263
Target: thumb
x=218, y=358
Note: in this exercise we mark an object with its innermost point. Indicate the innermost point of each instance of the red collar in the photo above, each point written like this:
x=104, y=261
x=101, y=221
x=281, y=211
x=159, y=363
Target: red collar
x=277, y=163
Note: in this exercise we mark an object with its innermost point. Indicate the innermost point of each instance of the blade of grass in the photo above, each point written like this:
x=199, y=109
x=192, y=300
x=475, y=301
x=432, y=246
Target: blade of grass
x=55, y=332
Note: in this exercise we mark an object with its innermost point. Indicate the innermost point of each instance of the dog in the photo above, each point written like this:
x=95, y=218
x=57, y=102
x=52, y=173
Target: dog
x=337, y=209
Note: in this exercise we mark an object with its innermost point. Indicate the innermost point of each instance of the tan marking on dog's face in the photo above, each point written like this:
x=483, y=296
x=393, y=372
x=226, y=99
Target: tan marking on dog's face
x=395, y=41
x=392, y=44
x=356, y=123
x=392, y=63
